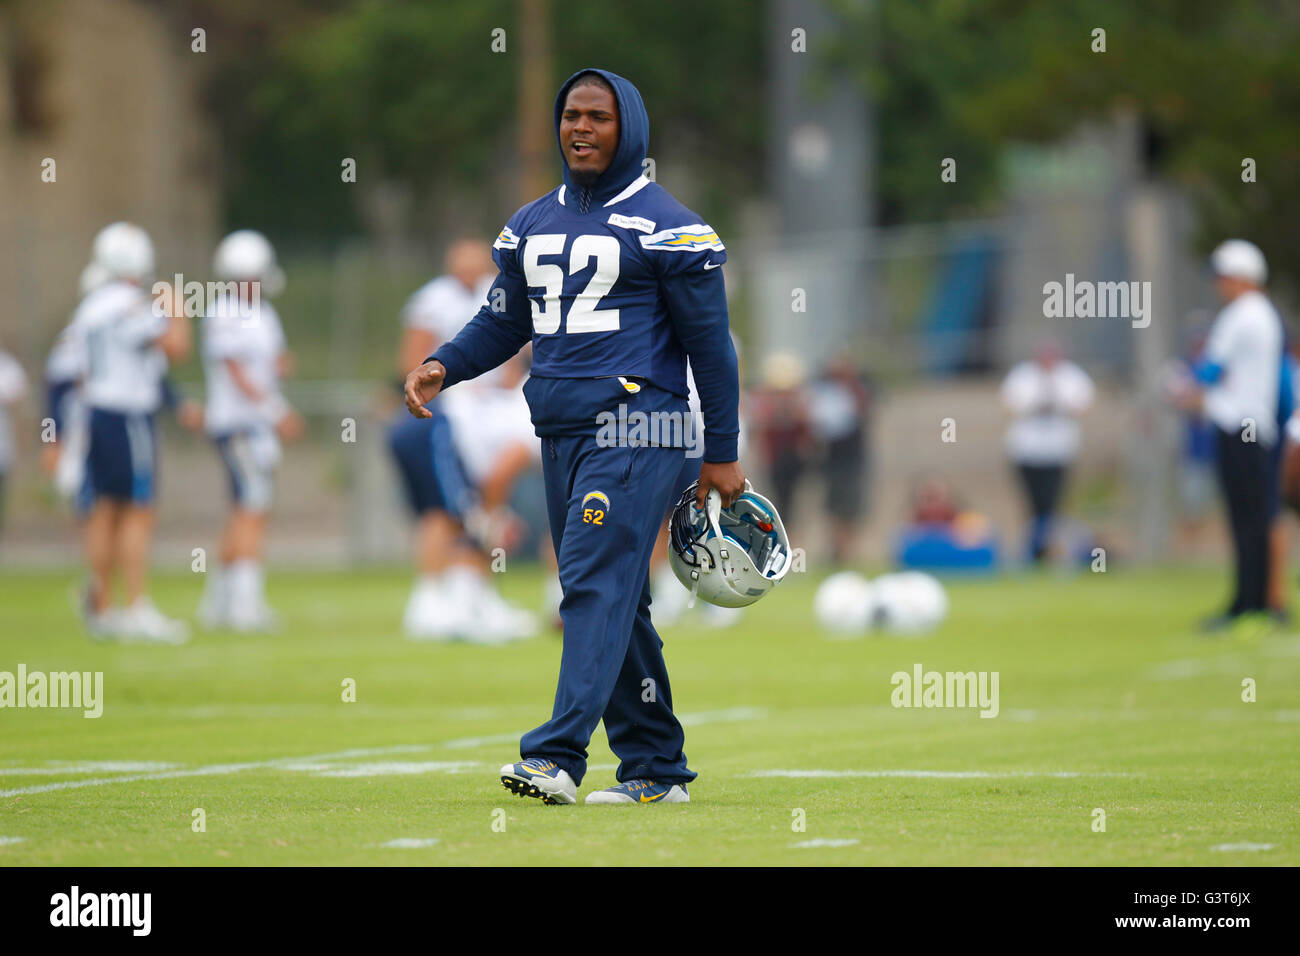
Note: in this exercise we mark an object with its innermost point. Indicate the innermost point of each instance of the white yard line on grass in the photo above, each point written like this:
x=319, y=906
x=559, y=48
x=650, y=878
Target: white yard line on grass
x=211, y=769
x=820, y=842
x=930, y=774
x=409, y=843
x=393, y=768
x=57, y=768
x=1243, y=847
x=6, y=841
x=322, y=764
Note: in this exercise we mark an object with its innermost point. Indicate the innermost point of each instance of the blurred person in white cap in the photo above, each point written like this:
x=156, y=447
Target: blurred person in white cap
x=123, y=341
x=244, y=359
x=1239, y=386
x=1046, y=395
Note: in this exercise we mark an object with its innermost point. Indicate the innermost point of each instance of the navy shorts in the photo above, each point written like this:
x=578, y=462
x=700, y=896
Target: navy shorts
x=411, y=441
x=457, y=492
x=122, y=461
x=250, y=458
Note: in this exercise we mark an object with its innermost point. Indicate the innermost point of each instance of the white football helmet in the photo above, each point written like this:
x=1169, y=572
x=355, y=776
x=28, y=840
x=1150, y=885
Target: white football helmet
x=732, y=556
x=248, y=256
x=124, y=251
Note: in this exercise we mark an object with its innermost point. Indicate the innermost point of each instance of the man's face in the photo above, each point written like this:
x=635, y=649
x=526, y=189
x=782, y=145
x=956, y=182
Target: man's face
x=468, y=261
x=589, y=131
x=1229, y=287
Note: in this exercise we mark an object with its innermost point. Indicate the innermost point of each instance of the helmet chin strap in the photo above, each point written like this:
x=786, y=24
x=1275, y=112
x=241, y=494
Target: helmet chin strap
x=713, y=507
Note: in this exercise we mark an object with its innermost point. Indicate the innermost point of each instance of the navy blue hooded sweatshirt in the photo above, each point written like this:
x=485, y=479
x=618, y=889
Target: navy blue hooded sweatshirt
x=613, y=280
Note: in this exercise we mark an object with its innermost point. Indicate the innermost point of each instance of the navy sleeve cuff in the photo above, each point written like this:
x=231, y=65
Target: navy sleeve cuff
x=720, y=448
x=450, y=358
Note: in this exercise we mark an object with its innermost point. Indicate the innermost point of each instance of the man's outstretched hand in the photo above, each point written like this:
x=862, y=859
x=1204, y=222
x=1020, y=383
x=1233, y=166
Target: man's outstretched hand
x=728, y=477
x=422, y=385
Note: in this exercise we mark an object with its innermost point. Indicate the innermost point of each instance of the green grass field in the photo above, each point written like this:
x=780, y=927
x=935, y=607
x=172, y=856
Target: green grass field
x=1107, y=700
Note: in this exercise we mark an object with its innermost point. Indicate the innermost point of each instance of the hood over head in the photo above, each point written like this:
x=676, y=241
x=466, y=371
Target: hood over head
x=633, y=140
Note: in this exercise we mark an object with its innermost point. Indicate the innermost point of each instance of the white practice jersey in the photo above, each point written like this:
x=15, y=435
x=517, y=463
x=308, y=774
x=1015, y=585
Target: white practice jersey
x=114, y=332
x=13, y=386
x=255, y=341
x=63, y=364
x=1246, y=343
x=443, y=306
x=485, y=421
x=1046, y=403
x=485, y=417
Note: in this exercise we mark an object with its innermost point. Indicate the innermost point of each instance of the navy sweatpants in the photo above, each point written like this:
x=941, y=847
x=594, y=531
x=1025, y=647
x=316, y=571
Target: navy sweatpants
x=605, y=506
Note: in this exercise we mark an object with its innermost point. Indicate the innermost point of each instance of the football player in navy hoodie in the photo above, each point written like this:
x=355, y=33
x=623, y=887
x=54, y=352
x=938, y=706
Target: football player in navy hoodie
x=615, y=283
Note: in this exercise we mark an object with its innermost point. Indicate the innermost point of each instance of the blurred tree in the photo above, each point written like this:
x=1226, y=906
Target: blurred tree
x=413, y=91
x=416, y=94
x=1214, y=81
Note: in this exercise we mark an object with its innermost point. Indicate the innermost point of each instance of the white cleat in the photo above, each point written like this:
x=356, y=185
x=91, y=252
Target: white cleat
x=540, y=778
x=430, y=615
x=495, y=622
x=214, y=605
x=142, y=623
x=641, y=791
x=102, y=626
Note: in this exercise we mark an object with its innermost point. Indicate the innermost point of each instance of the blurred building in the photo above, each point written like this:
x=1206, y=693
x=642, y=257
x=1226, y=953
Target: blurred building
x=108, y=90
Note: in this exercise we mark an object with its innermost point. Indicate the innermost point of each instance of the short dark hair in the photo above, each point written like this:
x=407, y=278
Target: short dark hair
x=591, y=78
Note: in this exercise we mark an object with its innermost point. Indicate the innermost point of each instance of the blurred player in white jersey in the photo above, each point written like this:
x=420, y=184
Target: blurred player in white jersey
x=433, y=314
x=450, y=594
x=483, y=441
x=244, y=359
x=13, y=386
x=124, y=340
x=64, y=458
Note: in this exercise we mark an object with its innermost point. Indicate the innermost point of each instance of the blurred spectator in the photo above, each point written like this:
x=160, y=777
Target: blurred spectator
x=943, y=534
x=782, y=427
x=839, y=408
x=1243, y=393
x=1046, y=396
x=933, y=503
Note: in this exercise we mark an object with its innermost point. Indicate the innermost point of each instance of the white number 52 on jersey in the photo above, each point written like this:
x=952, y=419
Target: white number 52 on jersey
x=583, y=314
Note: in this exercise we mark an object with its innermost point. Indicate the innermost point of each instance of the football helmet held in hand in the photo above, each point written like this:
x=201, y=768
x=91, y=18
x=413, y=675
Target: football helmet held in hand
x=732, y=556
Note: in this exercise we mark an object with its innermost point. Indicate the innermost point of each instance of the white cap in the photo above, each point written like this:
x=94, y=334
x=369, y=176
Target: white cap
x=247, y=256
x=1239, y=259
x=124, y=251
